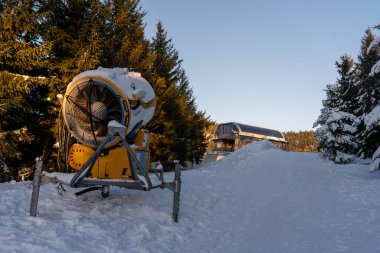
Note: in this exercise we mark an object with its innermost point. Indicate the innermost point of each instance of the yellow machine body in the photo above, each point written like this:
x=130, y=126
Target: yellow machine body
x=114, y=163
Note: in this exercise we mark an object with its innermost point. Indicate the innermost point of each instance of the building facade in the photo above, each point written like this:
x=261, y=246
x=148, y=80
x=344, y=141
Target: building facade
x=231, y=136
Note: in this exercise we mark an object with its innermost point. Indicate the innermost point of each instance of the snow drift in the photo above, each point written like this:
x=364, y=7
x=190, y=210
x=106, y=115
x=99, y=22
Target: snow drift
x=258, y=199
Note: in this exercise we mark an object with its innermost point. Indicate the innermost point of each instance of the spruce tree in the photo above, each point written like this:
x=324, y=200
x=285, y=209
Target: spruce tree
x=178, y=125
x=328, y=104
x=337, y=136
x=375, y=160
x=45, y=43
x=368, y=94
x=369, y=85
x=302, y=141
x=125, y=44
x=197, y=121
x=74, y=28
x=164, y=78
x=343, y=110
x=371, y=133
x=26, y=111
x=347, y=89
x=338, y=124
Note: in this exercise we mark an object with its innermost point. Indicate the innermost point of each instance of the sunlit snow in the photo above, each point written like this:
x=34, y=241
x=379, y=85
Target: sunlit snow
x=258, y=199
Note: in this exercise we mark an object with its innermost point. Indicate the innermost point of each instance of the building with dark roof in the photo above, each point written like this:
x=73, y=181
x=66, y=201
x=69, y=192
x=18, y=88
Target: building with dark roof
x=232, y=136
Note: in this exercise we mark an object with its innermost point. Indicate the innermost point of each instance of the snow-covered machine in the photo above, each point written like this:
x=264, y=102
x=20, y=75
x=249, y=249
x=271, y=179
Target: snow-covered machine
x=104, y=111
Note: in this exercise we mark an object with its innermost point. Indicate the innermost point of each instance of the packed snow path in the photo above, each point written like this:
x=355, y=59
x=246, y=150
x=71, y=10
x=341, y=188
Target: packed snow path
x=258, y=199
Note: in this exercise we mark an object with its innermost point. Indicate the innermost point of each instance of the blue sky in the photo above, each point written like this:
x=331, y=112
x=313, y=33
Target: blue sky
x=263, y=63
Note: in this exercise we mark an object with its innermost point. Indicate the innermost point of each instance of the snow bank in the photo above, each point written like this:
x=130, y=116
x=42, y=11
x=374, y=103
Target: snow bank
x=258, y=199
x=253, y=148
x=245, y=156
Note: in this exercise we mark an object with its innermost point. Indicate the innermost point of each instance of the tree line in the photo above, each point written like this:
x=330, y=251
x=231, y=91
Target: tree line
x=45, y=43
x=301, y=141
x=349, y=122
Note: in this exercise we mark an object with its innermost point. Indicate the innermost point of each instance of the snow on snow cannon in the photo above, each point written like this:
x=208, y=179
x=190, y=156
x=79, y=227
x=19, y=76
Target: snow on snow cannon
x=105, y=110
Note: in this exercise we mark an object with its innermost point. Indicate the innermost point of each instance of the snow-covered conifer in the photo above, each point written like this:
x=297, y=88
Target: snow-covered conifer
x=338, y=124
x=376, y=161
x=337, y=136
x=368, y=79
x=368, y=76
x=371, y=134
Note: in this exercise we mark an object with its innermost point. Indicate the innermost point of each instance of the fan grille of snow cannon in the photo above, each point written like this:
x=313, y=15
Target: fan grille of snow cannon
x=89, y=106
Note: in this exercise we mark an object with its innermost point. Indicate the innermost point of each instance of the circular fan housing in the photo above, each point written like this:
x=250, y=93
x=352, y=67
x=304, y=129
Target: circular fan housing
x=90, y=103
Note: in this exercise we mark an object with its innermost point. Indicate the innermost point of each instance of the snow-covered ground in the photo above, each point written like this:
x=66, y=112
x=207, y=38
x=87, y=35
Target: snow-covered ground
x=258, y=199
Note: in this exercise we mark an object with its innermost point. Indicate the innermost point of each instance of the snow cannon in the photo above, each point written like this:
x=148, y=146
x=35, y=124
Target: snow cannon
x=94, y=100
x=103, y=140
x=96, y=97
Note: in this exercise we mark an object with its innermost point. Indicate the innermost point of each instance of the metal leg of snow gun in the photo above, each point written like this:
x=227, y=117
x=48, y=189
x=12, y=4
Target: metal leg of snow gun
x=175, y=187
x=36, y=187
x=177, y=191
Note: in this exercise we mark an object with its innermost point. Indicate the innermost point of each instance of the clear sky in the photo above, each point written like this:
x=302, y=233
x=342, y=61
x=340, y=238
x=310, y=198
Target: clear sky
x=263, y=63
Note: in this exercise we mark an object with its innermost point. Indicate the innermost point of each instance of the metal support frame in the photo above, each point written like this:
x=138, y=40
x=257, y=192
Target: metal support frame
x=174, y=186
x=140, y=179
x=138, y=172
x=36, y=187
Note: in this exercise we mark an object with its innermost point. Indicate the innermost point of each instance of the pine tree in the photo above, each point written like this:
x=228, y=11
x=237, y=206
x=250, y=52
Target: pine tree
x=21, y=51
x=338, y=125
x=375, y=160
x=371, y=133
x=342, y=105
x=45, y=43
x=74, y=28
x=337, y=136
x=302, y=141
x=164, y=78
x=369, y=94
x=369, y=85
x=371, y=120
x=328, y=104
x=26, y=111
x=347, y=89
x=178, y=123
x=124, y=39
x=197, y=121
